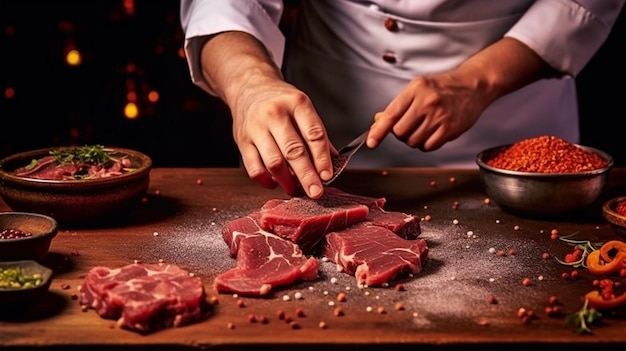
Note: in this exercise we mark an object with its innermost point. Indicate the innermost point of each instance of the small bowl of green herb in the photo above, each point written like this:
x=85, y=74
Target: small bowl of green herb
x=23, y=281
x=77, y=186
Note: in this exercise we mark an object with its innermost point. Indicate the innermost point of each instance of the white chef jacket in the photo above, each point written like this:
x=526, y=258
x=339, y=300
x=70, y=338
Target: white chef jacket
x=352, y=65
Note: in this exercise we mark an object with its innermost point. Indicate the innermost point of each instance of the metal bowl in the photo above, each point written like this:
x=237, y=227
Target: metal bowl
x=77, y=202
x=616, y=220
x=542, y=194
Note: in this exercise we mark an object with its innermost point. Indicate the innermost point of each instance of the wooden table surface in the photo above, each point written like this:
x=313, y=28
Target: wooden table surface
x=445, y=307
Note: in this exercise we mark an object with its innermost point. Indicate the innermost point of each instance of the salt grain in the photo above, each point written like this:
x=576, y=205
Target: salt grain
x=298, y=295
x=286, y=298
x=333, y=280
x=155, y=234
x=455, y=221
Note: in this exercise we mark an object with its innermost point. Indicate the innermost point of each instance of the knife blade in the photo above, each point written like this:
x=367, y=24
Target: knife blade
x=341, y=159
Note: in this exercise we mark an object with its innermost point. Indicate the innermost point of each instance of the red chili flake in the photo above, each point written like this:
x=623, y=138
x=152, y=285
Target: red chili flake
x=214, y=300
x=482, y=322
x=263, y=319
x=400, y=287
x=487, y=201
x=65, y=286
x=455, y=205
x=199, y=181
x=492, y=300
x=230, y=325
x=512, y=252
x=157, y=192
x=241, y=303
x=384, y=173
x=428, y=217
x=517, y=227
x=294, y=325
x=398, y=306
x=565, y=276
x=500, y=253
x=288, y=319
x=573, y=274
x=452, y=179
x=526, y=282
x=338, y=311
x=546, y=154
x=144, y=199
x=381, y=310
x=74, y=297
x=432, y=184
x=322, y=325
x=300, y=312
x=280, y=314
x=553, y=300
x=74, y=253
x=545, y=255
x=252, y=318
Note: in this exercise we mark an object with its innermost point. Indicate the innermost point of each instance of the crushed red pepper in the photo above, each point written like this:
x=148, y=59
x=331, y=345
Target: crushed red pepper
x=546, y=154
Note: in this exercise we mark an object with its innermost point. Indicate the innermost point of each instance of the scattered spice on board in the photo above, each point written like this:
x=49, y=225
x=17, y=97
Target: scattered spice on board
x=546, y=154
x=14, y=234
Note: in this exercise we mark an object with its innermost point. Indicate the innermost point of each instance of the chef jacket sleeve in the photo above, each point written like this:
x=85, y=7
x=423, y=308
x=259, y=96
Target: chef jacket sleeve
x=567, y=33
x=200, y=18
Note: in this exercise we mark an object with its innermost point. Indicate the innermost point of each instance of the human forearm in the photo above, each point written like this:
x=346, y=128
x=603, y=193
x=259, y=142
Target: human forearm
x=503, y=67
x=232, y=60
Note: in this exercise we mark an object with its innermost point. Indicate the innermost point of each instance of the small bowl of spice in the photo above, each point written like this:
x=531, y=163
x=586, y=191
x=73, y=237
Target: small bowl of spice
x=22, y=282
x=26, y=236
x=614, y=211
x=545, y=176
x=78, y=186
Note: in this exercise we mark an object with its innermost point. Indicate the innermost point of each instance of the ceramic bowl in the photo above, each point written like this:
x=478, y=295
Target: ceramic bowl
x=41, y=276
x=542, y=194
x=75, y=202
x=615, y=219
x=41, y=229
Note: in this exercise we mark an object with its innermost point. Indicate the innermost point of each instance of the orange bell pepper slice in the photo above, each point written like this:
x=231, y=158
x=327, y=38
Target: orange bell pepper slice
x=597, y=301
x=612, y=248
x=598, y=266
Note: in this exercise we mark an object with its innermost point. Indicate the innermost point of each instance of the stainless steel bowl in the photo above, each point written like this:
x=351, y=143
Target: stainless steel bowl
x=542, y=194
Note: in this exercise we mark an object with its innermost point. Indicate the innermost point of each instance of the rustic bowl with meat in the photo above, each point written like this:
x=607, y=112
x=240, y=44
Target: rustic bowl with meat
x=77, y=186
x=26, y=236
x=544, y=176
x=614, y=211
x=22, y=282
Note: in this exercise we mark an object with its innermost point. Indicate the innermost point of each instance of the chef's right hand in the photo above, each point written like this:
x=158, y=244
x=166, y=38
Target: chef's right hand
x=281, y=138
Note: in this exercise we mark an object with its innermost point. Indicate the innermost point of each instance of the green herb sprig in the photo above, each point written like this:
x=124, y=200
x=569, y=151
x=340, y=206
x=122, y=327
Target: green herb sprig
x=584, y=318
x=91, y=154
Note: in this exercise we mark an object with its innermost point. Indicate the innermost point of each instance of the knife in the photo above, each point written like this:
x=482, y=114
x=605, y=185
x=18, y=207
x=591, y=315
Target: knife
x=340, y=161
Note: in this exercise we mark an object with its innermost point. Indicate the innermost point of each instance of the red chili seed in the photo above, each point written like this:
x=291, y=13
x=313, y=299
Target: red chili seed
x=252, y=318
x=199, y=181
x=492, y=299
x=280, y=314
x=553, y=300
x=398, y=306
x=432, y=183
x=400, y=287
x=526, y=282
x=338, y=312
x=299, y=312
x=545, y=255
x=573, y=274
x=565, y=275
x=241, y=303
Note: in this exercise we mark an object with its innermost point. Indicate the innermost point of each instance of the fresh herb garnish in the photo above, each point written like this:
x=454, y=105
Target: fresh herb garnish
x=585, y=317
x=94, y=154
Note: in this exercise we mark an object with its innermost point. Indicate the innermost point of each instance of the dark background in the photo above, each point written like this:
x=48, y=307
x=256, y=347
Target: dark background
x=136, y=46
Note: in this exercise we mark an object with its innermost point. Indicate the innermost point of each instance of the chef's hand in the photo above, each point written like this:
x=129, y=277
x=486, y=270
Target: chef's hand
x=281, y=138
x=433, y=110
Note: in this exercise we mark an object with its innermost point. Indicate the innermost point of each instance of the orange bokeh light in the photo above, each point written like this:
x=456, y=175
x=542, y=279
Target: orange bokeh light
x=153, y=96
x=131, y=111
x=73, y=57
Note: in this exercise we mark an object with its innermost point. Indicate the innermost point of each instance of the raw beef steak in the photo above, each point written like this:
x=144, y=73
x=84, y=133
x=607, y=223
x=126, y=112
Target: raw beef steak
x=305, y=221
x=374, y=254
x=144, y=297
x=264, y=260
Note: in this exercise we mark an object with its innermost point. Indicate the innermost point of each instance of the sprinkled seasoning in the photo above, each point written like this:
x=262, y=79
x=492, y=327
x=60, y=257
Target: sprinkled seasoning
x=546, y=154
x=621, y=208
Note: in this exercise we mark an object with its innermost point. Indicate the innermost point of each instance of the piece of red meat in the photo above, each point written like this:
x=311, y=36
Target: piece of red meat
x=305, y=221
x=404, y=225
x=264, y=260
x=145, y=297
x=373, y=254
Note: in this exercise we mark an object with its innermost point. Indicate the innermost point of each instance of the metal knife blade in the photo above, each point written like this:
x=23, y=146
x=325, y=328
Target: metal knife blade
x=340, y=161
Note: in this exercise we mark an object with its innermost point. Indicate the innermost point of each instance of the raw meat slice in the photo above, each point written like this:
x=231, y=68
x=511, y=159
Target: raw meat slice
x=145, y=297
x=404, y=225
x=373, y=254
x=305, y=221
x=264, y=260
